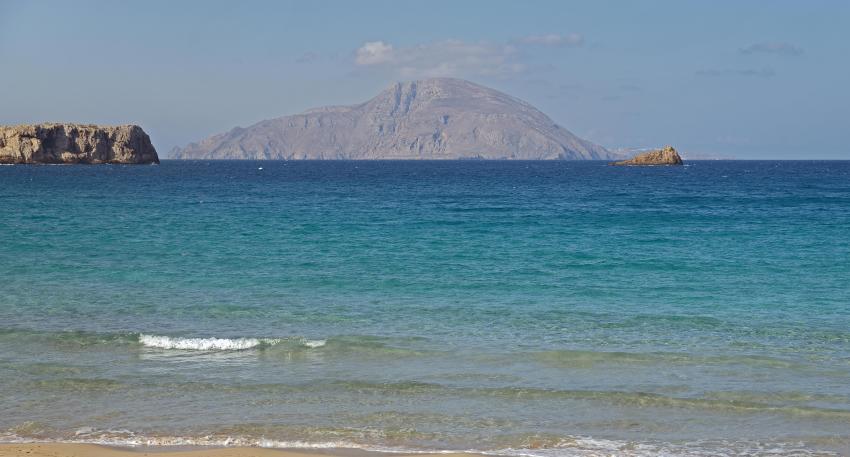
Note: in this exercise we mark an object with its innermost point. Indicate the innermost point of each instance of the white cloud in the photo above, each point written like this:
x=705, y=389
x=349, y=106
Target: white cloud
x=554, y=39
x=374, y=53
x=442, y=58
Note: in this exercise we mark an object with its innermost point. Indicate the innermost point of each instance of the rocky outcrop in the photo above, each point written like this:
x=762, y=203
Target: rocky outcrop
x=664, y=156
x=75, y=143
x=439, y=118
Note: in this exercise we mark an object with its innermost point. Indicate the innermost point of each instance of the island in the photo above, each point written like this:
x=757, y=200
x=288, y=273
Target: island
x=429, y=119
x=664, y=156
x=75, y=143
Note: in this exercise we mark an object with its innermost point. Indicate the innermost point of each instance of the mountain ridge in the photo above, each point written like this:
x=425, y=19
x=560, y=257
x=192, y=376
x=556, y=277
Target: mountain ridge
x=438, y=118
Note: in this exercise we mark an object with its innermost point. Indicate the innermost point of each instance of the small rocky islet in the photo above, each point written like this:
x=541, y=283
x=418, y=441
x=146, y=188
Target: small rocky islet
x=664, y=156
x=66, y=143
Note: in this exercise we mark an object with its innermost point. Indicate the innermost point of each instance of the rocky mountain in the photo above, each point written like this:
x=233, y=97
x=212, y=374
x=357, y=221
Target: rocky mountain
x=75, y=143
x=439, y=118
x=664, y=156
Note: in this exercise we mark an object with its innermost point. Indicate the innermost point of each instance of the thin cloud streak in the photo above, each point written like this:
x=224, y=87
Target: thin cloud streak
x=553, y=39
x=785, y=49
x=765, y=72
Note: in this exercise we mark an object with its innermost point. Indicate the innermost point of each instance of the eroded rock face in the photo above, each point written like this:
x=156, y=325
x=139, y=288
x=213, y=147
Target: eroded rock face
x=75, y=143
x=664, y=156
x=440, y=118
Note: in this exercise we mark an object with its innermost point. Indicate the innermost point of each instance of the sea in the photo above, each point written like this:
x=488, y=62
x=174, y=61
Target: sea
x=545, y=309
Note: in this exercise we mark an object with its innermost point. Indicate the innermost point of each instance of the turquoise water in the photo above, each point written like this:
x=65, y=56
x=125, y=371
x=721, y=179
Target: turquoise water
x=521, y=308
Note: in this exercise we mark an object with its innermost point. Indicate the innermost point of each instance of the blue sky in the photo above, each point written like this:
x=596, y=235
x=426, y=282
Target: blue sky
x=736, y=79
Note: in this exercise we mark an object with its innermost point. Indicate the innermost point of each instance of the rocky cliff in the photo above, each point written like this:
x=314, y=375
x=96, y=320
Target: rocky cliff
x=664, y=156
x=438, y=118
x=75, y=143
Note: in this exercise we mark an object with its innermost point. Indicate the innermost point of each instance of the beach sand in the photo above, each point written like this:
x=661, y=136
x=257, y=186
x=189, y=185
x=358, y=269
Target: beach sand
x=93, y=450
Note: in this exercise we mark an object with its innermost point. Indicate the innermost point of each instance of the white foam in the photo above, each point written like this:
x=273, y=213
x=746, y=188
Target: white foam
x=580, y=447
x=204, y=344
x=220, y=344
x=591, y=447
x=125, y=438
x=312, y=344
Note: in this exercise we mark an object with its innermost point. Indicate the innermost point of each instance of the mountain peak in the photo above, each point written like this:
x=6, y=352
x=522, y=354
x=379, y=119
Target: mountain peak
x=437, y=82
x=436, y=88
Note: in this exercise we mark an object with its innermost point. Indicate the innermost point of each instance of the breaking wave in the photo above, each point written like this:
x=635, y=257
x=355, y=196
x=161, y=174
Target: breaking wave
x=530, y=446
x=219, y=344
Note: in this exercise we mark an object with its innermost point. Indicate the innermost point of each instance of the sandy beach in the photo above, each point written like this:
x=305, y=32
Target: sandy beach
x=93, y=450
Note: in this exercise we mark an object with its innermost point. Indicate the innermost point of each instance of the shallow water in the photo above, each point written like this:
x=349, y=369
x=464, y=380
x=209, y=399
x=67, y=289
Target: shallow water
x=544, y=308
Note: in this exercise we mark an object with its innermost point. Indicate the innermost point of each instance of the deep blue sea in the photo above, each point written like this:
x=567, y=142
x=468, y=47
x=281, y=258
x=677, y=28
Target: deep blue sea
x=522, y=308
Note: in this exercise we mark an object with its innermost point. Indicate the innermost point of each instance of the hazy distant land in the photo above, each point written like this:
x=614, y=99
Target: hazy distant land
x=440, y=118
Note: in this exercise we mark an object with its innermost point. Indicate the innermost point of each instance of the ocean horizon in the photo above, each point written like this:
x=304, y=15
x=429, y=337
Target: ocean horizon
x=520, y=308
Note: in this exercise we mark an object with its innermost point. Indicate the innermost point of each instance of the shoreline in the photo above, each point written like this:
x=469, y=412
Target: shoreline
x=52, y=449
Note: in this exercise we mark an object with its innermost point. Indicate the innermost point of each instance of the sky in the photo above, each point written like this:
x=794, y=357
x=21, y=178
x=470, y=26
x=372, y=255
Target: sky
x=716, y=79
